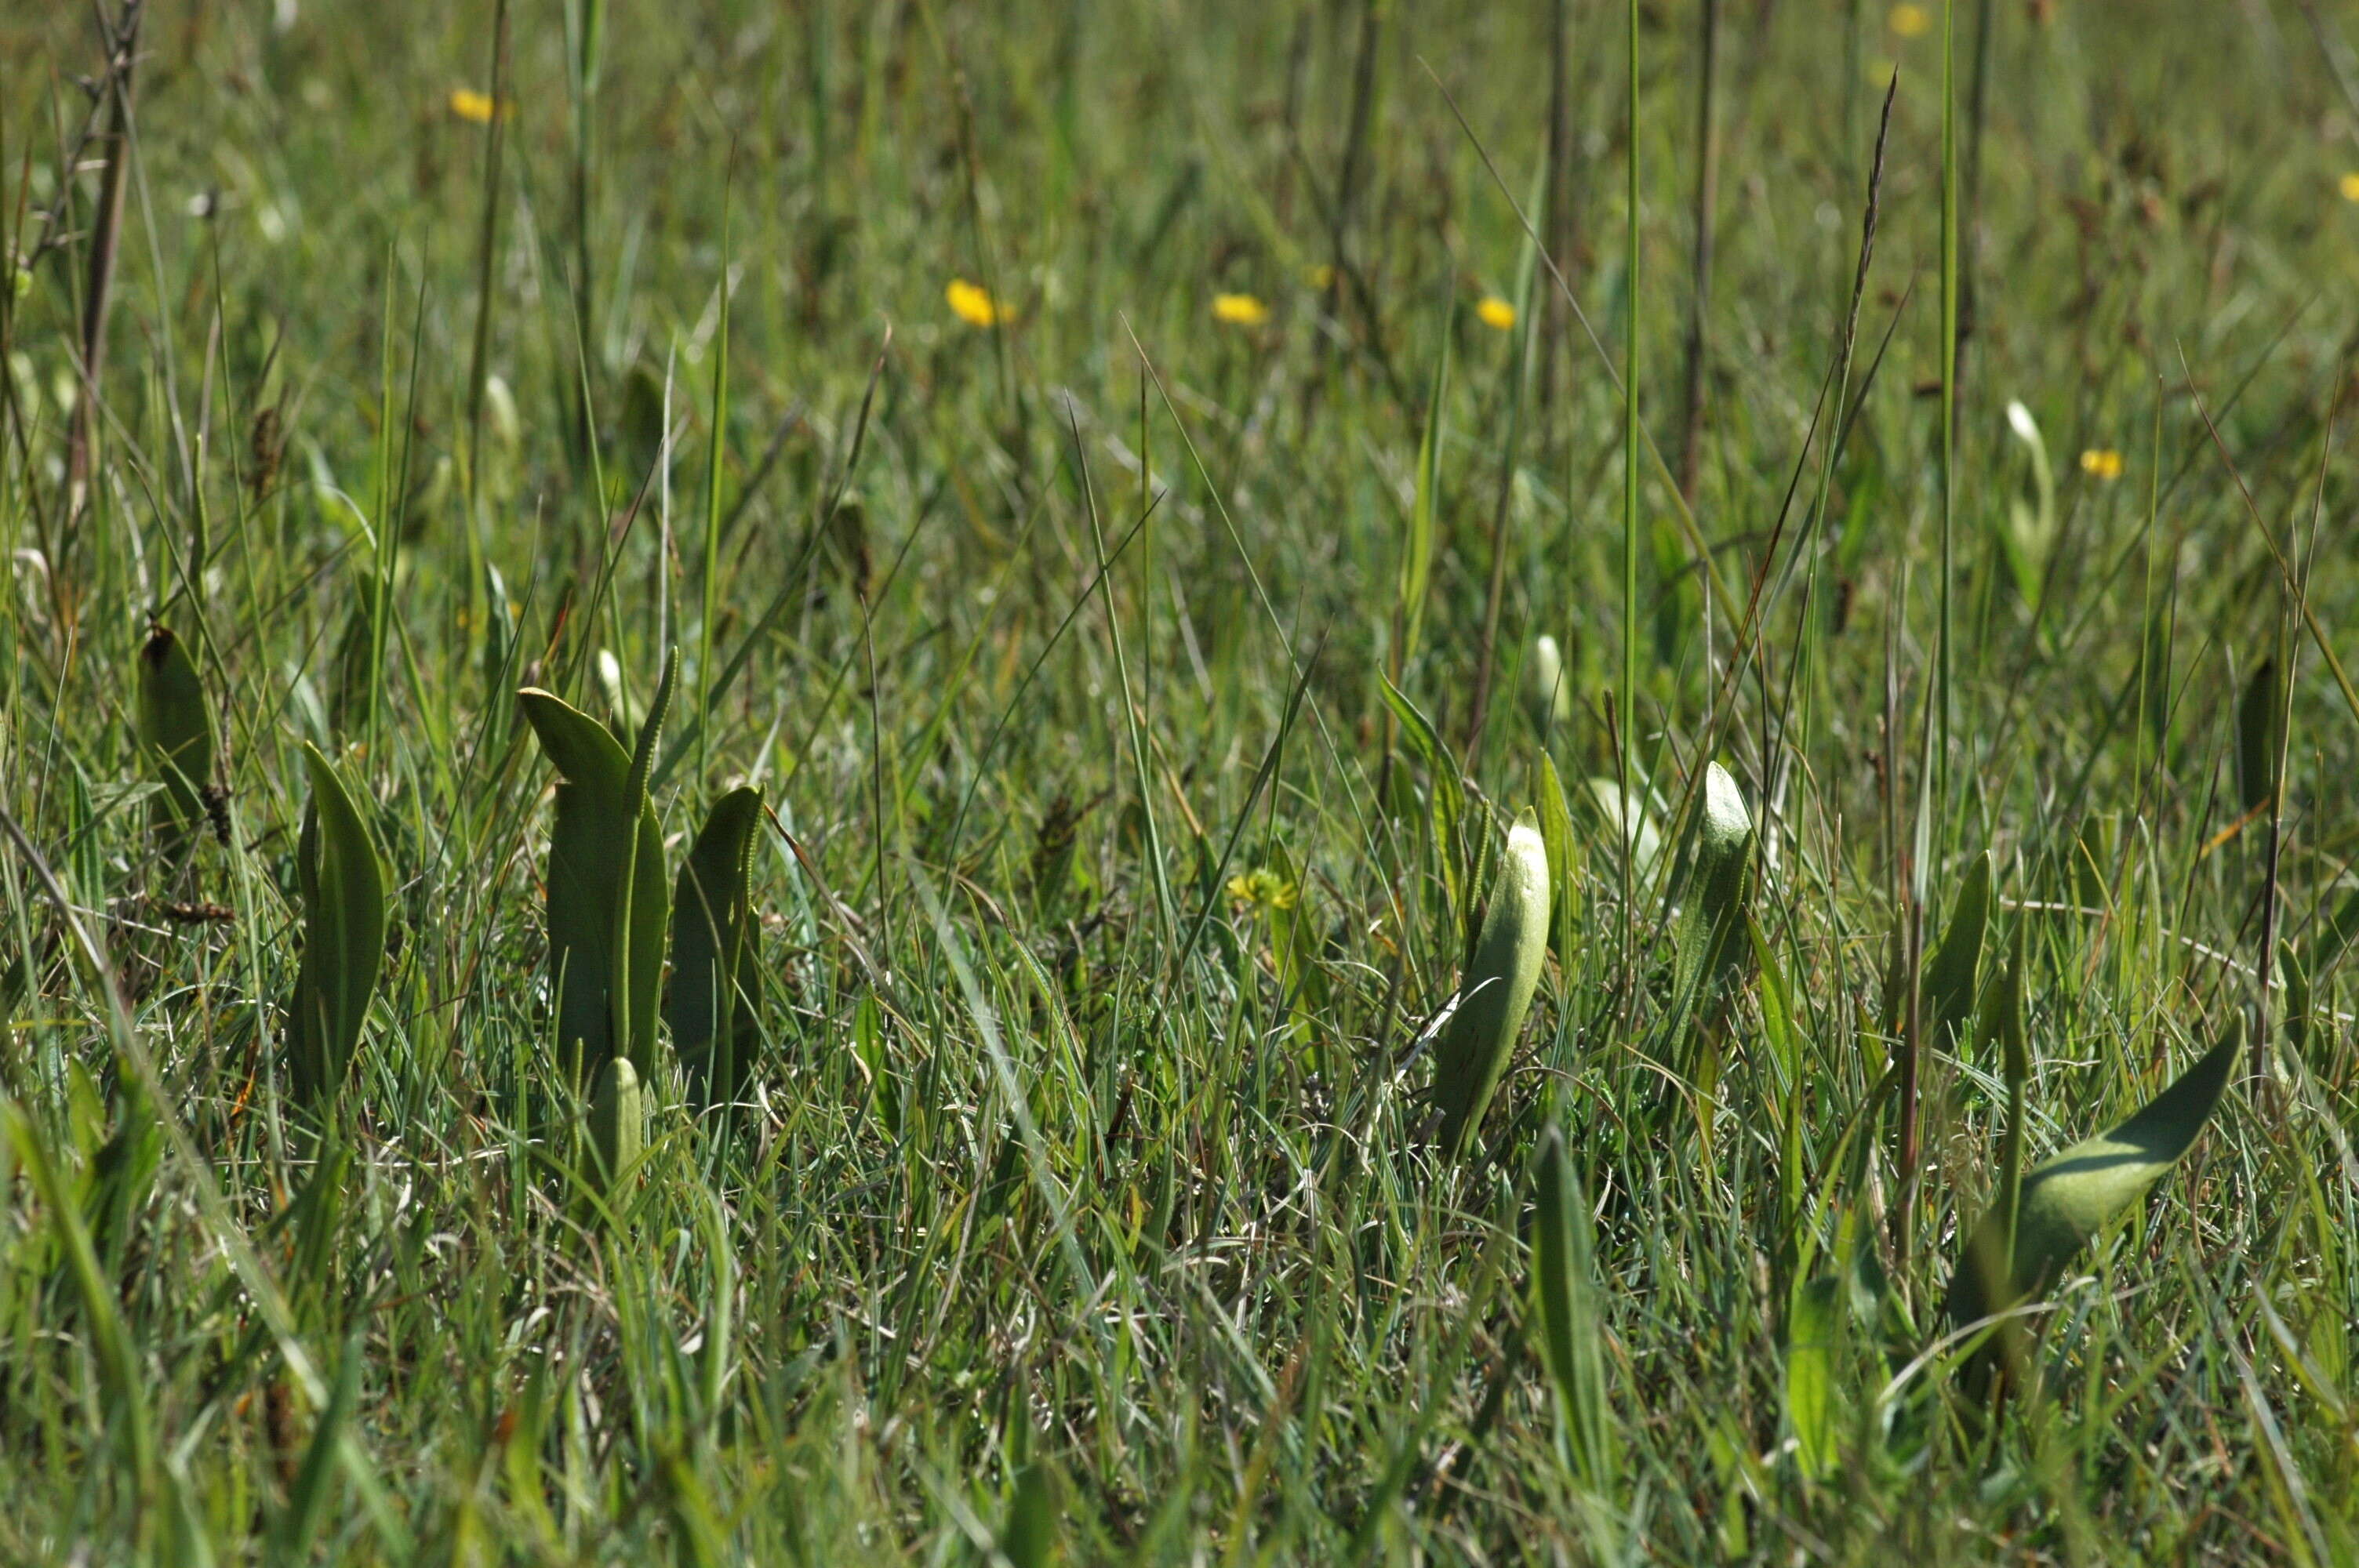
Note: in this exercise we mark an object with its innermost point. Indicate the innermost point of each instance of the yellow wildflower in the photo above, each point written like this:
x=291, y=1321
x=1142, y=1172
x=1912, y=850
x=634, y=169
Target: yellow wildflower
x=2349, y=186
x=1239, y=309
x=1496, y=313
x=1909, y=21
x=971, y=303
x=477, y=108
x=2102, y=462
x=1263, y=889
x=1320, y=277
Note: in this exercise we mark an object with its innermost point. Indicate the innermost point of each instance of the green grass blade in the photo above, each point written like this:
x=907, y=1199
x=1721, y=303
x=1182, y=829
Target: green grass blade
x=1563, y=855
x=1449, y=796
x=1573, y=1337
x=120, y=1376
x=308, y=1499
x=1634, y=829
x=1416, y=553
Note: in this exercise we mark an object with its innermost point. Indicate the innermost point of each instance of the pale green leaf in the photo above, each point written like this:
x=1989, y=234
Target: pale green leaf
x=1497, y=990
x=2070, y=1198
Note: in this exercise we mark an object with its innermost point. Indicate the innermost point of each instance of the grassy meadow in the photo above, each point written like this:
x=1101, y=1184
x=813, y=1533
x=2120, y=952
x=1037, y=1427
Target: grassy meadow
x=1343, y=782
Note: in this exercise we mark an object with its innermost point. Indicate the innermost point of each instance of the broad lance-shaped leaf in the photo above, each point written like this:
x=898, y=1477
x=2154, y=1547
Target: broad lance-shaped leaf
x=605, y=899
x=1497, y=990
x=1957, y=963
x=2070, y=1198
x=1709, y=935
x=176, y=731
x=343, y=935
x=1564, y=1290
x=1813, y=1327
x=2260, y=731
x=640, y=914
x=1029, y=1538
x=715, y=986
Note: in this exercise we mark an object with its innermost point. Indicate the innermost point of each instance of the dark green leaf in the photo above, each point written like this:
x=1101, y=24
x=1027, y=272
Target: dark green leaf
x=715, y=986
x=177, y=733
x=1950, y=978
x=343, y=937
x=2260, y=726
x=606, y=897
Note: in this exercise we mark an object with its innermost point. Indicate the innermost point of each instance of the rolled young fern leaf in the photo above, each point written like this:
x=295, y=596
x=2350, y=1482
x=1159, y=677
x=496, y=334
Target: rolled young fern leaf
x=1496, y=990
x=344, y=885
x=176, y=731
x=715, y=987
x=606, y=897
x=1709, y=933
x=2072, y=1197
x=618, y=1124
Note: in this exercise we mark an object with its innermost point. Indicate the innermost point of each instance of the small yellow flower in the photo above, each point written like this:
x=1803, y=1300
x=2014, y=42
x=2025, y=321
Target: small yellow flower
x=1909, y=21
x=1263, y=889
x=971, y=303
x=1320, y=277
x=2349, y=186
x=1495, y=313
x=477, y=108
x=2102, y=462
x=1239, y=309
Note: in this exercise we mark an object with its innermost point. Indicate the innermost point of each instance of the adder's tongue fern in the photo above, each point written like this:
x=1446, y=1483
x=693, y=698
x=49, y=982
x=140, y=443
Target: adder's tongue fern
x=343, y=888
x=1496, y=990
x=606, y=897
x=715, y=986
x=176, y=732
x=2069, y=1197
x=618, y=1122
